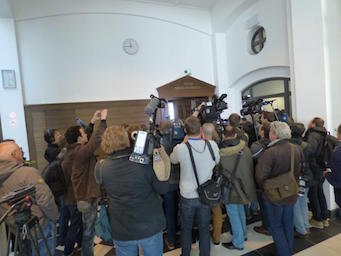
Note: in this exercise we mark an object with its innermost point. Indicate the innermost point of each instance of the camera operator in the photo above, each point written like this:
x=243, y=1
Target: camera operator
x=13, y=175
x=135, y=208
x=267, y=116
x=85, y=189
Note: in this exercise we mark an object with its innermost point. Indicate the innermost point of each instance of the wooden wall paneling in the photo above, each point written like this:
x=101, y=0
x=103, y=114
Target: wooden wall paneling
x=39, y=126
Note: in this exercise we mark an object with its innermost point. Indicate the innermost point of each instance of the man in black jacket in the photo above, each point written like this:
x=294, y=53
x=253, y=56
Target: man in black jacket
x=315, y=139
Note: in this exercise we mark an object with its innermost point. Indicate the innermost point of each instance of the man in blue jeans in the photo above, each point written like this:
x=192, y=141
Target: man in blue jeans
x=276, y=161
x=190, y=205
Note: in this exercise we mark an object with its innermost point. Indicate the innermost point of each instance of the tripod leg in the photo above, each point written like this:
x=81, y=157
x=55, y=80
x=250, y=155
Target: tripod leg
x=43, y=237
x=8, y=243
x=34, y=241
x=16, y=241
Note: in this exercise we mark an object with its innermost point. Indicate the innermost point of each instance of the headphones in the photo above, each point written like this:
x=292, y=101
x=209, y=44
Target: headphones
x=49, y=135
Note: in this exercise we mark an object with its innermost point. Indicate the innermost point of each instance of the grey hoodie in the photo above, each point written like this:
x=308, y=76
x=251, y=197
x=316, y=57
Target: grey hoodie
x=14, y=175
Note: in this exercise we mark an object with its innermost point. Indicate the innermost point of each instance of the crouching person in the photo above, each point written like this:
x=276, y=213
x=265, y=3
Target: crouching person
x=237, y=163
x=135, y=207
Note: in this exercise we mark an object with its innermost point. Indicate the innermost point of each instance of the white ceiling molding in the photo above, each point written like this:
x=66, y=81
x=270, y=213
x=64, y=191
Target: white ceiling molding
x=204, y=4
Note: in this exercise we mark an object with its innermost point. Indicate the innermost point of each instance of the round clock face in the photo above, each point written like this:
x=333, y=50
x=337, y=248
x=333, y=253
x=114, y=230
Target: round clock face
x=130, y=46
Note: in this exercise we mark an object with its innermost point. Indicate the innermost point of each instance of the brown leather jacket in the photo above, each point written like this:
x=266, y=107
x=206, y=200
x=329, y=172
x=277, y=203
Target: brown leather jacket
x=275, y=161
x=83, y=164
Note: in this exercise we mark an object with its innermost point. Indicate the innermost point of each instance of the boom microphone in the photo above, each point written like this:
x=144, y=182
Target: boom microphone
x=222, y=97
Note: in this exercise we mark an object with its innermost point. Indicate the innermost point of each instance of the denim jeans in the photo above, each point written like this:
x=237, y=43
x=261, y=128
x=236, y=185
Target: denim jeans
x=281, y=225
x=49, y=232
x=89, y=215
x=151, y=246
x=189, y=209
x=236, y=213
x=171, y=203
x=265, y=223
x=337, y=193
x=74, y=234
x=64, y=217
x=318, y=201
x=301, y=220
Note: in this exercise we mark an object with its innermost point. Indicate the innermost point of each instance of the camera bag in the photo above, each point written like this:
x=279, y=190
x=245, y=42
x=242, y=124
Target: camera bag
x=210, y=191
x=284, y=185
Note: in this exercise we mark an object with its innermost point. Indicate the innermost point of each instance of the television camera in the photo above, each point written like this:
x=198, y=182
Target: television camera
x=146, y=141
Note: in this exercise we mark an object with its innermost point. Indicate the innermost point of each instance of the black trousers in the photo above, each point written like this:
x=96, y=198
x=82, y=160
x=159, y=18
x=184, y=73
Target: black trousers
x=318, y=203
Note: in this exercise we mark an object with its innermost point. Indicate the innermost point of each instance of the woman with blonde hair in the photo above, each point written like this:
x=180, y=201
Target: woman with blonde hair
x=135, y=208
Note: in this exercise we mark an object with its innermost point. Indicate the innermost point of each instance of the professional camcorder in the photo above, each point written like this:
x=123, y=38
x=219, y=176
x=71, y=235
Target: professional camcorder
x=146, y=141
x=211, y=111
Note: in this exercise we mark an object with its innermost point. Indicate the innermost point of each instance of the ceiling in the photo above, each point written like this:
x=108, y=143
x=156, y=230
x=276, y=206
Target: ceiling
x=5, y=11
x=205, y=4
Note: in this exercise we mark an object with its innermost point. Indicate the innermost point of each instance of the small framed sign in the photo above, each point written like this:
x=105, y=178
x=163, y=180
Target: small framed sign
x=8, y=79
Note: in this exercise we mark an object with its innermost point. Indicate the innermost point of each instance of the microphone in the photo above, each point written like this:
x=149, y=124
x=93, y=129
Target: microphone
x=222, y=97
x=152, y=106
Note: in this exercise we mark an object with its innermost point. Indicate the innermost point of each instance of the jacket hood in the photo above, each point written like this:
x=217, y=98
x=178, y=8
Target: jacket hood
x=233, y=149
x=321, y=130
x=7, y=168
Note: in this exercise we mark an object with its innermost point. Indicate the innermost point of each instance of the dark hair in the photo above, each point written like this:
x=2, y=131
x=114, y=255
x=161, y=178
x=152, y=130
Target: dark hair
x=192, y=125
x=234, y=120
x=49, y=135
x=270, y=116
x=318, y=122
x=72, y=134
x=229, y=131
x=297, y=130
x=339, y=129
x=266, y=129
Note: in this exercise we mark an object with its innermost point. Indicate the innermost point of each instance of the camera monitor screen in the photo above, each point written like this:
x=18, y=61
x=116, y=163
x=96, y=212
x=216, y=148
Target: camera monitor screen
x=140, y=142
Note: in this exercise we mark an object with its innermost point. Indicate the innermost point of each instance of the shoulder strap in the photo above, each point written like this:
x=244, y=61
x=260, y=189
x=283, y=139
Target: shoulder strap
x=233, y=175
x=193, y=163
x=292, y=158
x=210, y=149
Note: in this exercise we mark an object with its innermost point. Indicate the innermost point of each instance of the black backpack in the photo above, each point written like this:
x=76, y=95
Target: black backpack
x=329, y=144
x=53, y=176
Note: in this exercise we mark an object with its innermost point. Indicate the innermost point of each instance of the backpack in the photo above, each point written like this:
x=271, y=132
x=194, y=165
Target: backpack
x=329, y=144
x=53, y=176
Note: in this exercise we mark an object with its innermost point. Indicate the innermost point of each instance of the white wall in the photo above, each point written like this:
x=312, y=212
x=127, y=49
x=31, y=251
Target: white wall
x=236, y=20
x=71, y=51
x=11, y=100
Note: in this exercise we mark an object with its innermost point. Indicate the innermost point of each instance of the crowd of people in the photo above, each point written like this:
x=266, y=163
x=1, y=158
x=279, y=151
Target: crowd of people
x=274, y=176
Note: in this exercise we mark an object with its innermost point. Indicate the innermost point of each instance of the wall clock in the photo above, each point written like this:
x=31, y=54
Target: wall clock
x=130, y=46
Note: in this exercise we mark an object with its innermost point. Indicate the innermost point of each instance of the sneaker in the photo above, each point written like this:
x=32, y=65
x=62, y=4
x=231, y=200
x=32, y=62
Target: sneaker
x=262, y=230
x=300, y=235
x=231, y=246
x=316, y=224
x=326, y=223
x=216, y=245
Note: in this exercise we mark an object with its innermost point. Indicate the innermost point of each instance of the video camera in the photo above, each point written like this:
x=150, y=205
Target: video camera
x=211, y=110
x=252, y=106
x=146, y=141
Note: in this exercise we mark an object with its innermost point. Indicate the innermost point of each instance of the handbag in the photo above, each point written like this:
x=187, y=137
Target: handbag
x=284, y=185
x=210, y=191
x=227, y=187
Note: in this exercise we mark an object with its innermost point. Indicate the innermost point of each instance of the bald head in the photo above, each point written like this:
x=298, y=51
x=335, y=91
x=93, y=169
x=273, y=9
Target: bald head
x=208, y=130
x=10, y=151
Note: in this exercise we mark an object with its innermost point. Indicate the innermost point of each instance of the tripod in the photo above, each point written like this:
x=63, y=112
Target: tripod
x=25, y=223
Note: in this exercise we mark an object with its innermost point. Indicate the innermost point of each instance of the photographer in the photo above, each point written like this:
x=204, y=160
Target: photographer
x=190, y=205
x=13, y=175
x=234, y=120
x=135, y=208
x=85, y=189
